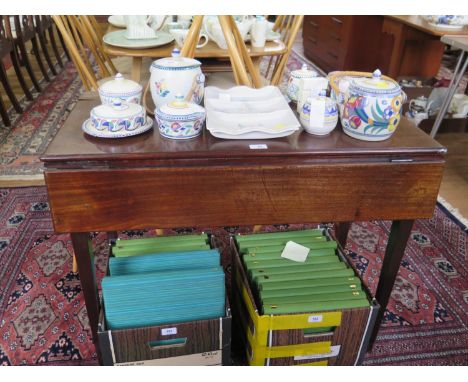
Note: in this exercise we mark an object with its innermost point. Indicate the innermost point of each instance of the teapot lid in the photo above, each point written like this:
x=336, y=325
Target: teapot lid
x=120, y=86
x=176, y=62
x=375, y=85
x=304, y=72
x=180, y=110
x=117, y=110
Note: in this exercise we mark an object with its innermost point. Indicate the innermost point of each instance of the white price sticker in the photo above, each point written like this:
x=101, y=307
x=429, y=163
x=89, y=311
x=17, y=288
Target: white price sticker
x=258, y=147
x=168, y=331
x=316, y=318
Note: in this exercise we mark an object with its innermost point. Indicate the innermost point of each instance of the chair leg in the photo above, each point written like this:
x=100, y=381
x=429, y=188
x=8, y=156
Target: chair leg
x=64, y=46
x=40, y=63
x=27, y=64
x=19, y=74
x=4, y=113
x=9, y=90
x=54, y=46
x=43, y=45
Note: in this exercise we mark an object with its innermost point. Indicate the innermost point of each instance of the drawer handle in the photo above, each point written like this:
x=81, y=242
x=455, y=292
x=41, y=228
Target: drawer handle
x=167, y=344
x=338, y=21
x=333, y=55
x=314, y=24
x=311, y=39
x=335, y=37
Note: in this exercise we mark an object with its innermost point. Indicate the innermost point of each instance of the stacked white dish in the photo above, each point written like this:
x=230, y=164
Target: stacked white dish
x=245, y=113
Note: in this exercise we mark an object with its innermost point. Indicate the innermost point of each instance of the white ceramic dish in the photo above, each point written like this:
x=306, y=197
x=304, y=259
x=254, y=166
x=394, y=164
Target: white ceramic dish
x=452, y=27
x=117, y=21
x=245, y=113
x=88, y=128
x=118, y=39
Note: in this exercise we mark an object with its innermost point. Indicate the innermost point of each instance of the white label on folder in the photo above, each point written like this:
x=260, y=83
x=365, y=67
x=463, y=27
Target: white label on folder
x=315, y=318
x=258, y=147
x=168, y=331
x=335, y=350
x=295, y=252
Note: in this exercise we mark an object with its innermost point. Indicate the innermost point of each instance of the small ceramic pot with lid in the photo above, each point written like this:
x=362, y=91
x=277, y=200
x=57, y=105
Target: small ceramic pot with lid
x=176, y=75
x=180, y=119
x=120, y=89
x=371, y=104
x=319, y=115
x=121, y=119
x=294, y=81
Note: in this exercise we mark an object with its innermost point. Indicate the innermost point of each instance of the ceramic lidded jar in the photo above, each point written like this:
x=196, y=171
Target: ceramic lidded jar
x=319, y=115
x=180, y=119
x=372, y=107
x=294, y=81
x=176, y=75
x=119, y=119
x=121, y=89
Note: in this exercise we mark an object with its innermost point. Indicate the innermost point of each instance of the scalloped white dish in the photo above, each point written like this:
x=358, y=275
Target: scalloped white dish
x=245, y=113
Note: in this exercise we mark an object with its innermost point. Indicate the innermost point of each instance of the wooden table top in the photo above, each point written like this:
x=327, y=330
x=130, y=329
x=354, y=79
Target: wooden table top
x=72, y=145
x=420, y=23
x=210, y=50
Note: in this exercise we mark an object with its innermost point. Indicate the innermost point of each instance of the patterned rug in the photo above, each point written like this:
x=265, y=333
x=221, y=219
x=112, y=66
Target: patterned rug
x=22, y=144
x=43, y=319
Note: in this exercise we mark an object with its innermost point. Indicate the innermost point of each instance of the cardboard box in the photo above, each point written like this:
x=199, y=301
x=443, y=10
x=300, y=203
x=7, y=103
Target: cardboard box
x=281, y=340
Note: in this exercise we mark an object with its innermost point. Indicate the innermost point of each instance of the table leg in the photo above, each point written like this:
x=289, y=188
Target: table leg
x=399, y=234
x=136, y=68
x=85, y=261
x=341, y=232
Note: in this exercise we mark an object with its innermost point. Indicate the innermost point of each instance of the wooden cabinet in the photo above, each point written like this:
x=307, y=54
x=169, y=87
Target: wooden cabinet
x=342, y=42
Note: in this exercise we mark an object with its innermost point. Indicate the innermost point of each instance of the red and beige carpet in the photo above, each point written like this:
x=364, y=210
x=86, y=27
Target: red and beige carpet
x=43, y=318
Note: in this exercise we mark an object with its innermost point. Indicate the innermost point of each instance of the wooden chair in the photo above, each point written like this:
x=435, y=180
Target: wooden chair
x=7, y=49
x=288, y=26
x=43, y=24
x=82, y=38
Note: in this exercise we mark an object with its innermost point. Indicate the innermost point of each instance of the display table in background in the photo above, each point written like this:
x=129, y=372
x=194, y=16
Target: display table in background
x=147, y=182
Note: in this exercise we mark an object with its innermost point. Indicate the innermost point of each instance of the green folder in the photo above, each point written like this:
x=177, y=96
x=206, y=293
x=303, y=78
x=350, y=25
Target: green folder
x=282, y=234
x=298, y=269
x=279, y=248
x=162, y=239
x=314, y=306
x=326, y=252
x=267, y=294
x=349, y=295
x=283, y=262
x=278, y=242
x=290, y=277
x=309, y=283
x=175, y=247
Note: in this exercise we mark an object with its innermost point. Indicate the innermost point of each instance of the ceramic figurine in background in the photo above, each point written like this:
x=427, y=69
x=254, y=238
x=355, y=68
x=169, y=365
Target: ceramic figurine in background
x=138, y=28
x=120, y=89
x=370, y=107
x=185, y=21
x=157, y=22
x=180, y=35
x=295, y=77
x=212, y=28
x=310, y=87
x=180, y=119
x=259, y=32
x=176, y=75
x=319, y=115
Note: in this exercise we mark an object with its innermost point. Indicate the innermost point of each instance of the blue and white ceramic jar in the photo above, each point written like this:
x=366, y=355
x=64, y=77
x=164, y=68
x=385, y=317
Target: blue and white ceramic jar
x=319, y=115
x=180, y=119
x=176, y=75
x=371, y=105
x=119, y=119
x=295, y=77
x=120, y=89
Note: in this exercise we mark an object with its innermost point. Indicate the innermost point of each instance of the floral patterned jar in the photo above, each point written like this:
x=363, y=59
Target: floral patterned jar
x=119, y=119
x=180, y=119
x=372, y=105
x=294, y=81
x=120, y=89
x=319, y=115
x=176, y=75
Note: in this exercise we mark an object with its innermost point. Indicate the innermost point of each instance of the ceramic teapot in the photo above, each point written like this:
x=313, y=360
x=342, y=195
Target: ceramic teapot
x=295, y=78
x=370, y=104
x=176, y=75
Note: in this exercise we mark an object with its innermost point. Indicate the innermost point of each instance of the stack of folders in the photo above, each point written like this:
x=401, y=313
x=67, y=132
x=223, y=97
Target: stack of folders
x=283, y=286
x=163, y=280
